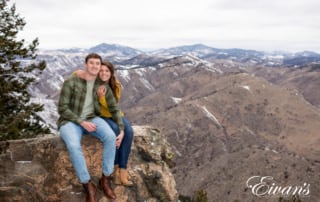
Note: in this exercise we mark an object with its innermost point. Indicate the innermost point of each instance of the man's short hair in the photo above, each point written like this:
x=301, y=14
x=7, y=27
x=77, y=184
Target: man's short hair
x=93, y=55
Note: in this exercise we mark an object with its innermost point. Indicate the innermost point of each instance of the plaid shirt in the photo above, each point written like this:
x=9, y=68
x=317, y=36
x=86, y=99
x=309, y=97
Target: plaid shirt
x=72, y=99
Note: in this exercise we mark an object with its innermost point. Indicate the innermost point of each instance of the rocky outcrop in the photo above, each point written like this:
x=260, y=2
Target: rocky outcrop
x=40, y=169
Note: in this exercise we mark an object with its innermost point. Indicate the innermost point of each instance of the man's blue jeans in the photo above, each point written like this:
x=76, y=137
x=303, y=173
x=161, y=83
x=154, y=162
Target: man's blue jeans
x=71, y=133
x=122, y=154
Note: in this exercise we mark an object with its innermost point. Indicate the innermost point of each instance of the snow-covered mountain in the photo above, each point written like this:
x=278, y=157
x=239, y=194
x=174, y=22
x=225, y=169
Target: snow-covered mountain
x=115, y=50
x=198, y=50
x=248, y=57
x=130, y=61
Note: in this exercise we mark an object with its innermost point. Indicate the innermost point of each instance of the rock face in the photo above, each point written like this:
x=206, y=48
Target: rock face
x=40, y=169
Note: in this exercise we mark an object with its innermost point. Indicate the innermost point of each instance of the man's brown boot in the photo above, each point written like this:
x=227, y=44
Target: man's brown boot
x=91, y=191
x=124, y=176
x=105, y=185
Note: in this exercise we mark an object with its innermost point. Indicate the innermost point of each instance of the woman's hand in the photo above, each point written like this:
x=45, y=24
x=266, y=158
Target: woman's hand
x=101, y=91
x=119, y=139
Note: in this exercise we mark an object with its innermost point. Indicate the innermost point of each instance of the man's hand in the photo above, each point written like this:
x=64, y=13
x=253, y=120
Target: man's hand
x=89, y=126
x=101, y=91
x=119, y=139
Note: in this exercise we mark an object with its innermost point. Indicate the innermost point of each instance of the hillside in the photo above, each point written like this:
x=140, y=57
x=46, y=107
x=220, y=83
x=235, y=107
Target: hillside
x=226, y=128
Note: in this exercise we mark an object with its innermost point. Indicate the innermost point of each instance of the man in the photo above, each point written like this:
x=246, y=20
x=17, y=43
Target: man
x=79, y=109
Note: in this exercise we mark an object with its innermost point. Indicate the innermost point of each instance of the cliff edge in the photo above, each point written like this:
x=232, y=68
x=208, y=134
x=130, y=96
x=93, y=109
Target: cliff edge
x=40, y=170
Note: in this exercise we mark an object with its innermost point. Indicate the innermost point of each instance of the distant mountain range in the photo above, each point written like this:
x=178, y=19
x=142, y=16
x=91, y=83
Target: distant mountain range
x=249, y=57
x=228, y=113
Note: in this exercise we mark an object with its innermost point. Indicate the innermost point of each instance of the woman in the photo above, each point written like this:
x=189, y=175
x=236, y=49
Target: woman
x=124, y=140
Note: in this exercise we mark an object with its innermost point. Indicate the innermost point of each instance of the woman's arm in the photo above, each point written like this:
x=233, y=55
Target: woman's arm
x=113, y=107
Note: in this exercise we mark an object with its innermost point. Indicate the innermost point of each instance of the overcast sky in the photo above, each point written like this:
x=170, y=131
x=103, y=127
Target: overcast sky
x=292, y=25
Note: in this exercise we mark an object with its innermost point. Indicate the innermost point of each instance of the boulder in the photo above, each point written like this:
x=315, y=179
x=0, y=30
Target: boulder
x=39, y=169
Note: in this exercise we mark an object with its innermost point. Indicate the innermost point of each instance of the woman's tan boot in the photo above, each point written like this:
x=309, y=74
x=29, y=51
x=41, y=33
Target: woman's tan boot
x=124, y=176
x=116, y=175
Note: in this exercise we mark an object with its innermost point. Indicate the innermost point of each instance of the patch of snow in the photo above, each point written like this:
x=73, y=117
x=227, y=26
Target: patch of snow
x=210, y=116
x=176, y=99
x=50, y=112
x=147, y=84
x=132, y=66
x=124, y=74
x=222, y=53
x=246, y=87
x=195, y=61
x=212, y=68
x=279, y=57
x=175, y=74
x=161, y=65
x=250, y=131
x=140, y=71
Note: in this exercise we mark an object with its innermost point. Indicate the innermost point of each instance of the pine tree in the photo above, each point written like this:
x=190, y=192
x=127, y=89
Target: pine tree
x=18, y=118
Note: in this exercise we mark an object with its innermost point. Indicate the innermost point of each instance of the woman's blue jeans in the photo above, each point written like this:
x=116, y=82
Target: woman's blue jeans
x=122, y=154
x=71, y=133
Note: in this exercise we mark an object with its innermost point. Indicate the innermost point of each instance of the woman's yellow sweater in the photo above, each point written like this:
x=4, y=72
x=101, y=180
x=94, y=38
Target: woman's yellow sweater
x=104, y=111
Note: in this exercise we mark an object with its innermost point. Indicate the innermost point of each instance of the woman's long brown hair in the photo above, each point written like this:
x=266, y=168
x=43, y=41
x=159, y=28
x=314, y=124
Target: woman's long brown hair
x=112, y=80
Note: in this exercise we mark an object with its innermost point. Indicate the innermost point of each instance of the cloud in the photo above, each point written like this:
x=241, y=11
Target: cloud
x=156, y=24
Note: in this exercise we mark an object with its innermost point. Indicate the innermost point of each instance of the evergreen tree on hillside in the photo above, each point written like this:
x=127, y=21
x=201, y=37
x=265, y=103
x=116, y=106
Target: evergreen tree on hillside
x=18, y=118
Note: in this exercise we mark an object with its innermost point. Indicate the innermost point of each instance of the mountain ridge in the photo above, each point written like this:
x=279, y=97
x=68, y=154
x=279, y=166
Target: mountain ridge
x=124, y=55
x=108, y=46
